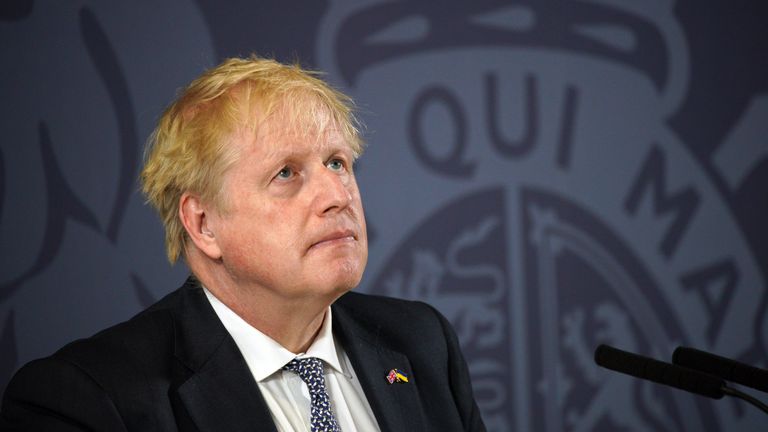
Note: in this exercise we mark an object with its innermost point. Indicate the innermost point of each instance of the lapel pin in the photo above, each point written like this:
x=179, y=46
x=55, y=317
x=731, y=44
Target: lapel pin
x=396, y=375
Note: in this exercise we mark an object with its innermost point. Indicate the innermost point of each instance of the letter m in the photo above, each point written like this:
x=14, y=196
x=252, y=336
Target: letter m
x=681, y=205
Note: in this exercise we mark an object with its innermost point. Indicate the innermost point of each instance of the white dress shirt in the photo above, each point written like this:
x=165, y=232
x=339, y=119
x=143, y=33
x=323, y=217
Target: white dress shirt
x=286, y=394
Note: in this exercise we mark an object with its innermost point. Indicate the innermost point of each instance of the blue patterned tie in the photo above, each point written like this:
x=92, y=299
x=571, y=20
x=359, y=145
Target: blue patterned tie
x=310, y=370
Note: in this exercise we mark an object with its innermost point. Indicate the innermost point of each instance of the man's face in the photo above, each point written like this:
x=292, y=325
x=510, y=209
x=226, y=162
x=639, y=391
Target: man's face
x=293, y=220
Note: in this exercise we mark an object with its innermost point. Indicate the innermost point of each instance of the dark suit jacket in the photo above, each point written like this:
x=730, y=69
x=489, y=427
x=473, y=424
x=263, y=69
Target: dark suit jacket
x=175, y=367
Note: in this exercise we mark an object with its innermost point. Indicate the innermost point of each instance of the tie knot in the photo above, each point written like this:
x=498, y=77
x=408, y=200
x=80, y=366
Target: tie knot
x=309, y=369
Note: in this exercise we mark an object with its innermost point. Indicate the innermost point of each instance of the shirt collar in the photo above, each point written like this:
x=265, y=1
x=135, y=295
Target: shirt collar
x=263, y=354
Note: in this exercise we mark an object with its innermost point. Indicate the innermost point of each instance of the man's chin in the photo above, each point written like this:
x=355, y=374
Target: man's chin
x=337, y=275
x=346, y=282
x=349, y=283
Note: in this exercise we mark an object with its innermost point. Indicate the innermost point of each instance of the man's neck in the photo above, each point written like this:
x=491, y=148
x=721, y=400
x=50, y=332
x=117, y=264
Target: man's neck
x=293, y=322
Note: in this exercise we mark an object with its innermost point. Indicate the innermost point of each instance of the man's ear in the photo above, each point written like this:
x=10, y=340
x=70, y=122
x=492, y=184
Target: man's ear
x=197, y=221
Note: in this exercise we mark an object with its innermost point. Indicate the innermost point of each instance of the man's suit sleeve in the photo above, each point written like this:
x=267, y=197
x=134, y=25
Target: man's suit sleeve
x=458, y=375
x=55, y=395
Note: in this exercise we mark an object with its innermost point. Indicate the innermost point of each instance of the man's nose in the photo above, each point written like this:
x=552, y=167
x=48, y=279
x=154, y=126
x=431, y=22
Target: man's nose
x=332, y=193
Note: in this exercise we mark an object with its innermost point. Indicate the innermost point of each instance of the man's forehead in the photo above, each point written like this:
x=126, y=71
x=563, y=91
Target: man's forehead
x=291, y=126
x=280, y=140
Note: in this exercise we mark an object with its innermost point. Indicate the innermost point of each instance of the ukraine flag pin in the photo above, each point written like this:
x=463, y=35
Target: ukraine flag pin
x=396, y=375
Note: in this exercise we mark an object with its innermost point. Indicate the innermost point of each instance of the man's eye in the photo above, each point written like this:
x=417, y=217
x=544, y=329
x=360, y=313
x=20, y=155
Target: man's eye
x=335, y=164
x=285, y=173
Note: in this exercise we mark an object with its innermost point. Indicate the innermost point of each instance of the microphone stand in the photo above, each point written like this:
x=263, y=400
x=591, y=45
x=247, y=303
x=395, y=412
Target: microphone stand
x=745, y=397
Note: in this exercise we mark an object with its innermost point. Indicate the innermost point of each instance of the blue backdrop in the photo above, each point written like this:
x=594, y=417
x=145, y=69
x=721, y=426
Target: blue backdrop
x=550, y=174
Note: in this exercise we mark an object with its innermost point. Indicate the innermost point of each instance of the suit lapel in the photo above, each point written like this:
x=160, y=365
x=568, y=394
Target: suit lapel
x=224, y=396
x=220, y=392
x=397, y=406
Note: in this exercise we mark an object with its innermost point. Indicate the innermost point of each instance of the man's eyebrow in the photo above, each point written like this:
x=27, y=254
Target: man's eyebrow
x=283, y=153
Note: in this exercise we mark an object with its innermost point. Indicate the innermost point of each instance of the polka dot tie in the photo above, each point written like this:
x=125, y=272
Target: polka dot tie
x=310, y=370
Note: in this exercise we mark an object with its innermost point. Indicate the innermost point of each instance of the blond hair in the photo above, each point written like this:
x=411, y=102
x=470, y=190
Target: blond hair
x=189, y=151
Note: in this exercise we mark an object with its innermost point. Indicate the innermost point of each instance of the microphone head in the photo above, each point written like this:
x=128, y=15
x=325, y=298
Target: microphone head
x=659, y=372
x=722, y=367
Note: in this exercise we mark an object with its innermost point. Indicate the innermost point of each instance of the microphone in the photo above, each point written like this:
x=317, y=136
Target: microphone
x=659, y=372
x=676, y=376
x=722, y=367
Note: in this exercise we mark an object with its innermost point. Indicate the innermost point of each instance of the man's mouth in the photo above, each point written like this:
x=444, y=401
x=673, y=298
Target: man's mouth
x=335, y=238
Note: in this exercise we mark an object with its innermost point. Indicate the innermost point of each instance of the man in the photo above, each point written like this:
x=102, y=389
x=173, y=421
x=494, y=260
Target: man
x=251, y=172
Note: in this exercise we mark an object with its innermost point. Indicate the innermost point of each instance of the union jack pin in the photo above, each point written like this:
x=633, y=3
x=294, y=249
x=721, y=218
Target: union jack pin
x=396, y=375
